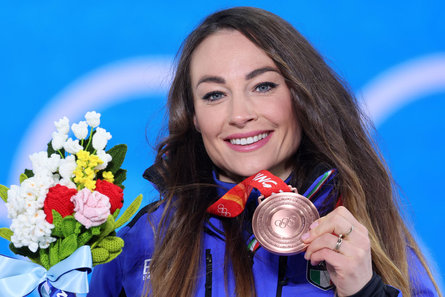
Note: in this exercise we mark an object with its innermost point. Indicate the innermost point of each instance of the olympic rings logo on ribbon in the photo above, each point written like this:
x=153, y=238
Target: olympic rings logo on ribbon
x=285, y=222
x=223, y=211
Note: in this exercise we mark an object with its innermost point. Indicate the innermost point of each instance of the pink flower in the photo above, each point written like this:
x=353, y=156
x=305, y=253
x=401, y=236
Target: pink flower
x=91, y=208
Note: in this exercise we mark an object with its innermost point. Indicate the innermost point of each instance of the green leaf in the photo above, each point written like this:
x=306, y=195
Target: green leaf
x=106, y=229
x=58, y=225
x=120, y=177
x=112, y=244
x=44, y=258
x=23, y=177
x=6, y=233
x=68, y=246
x=95, y=230
x=83, y=238
x=116, y=213
x=54, y=253
x=29, y=173
x=117, y=154
x=129, y=212
x=78, y=227
x=111, y=257
x=68, y=225
x=50, y=149
x=4, y=193
x=99, y=255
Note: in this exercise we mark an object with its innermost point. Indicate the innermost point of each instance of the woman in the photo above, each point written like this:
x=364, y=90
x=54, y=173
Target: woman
x=250, y=93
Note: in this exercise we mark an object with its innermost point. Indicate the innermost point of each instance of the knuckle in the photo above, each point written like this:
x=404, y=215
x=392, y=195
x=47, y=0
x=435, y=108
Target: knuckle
x=361, y=254
x=342, y=210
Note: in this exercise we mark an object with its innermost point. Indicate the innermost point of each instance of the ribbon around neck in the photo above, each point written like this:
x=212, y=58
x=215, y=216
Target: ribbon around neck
x=234, y=201
x=20, y=277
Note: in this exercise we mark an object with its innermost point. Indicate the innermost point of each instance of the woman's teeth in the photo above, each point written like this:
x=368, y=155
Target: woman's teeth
x=248, y=140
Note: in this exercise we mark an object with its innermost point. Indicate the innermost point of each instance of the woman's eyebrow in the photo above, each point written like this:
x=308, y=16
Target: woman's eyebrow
x=250, y=75
x=259, y=71
x=208, y=78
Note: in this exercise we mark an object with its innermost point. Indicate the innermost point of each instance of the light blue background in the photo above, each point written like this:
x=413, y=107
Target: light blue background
x=52, y=47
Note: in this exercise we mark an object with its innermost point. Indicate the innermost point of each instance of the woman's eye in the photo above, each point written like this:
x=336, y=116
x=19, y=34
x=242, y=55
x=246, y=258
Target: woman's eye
x=213, y=96
x=265, y=87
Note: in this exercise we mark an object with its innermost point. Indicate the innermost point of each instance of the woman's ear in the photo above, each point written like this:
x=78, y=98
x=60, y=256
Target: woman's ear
x=195, y=122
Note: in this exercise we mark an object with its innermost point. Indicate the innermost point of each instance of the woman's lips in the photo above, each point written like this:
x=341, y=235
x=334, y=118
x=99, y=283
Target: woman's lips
x=249, y=141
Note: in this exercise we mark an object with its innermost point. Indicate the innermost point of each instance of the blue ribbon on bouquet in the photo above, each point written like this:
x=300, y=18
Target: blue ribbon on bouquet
x=19, y=277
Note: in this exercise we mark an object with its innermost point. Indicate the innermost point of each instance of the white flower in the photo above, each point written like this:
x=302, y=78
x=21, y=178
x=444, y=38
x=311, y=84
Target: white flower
x=25, y=205
x=31, y=230
x=72, y=146
x=106, y=158
x=35, y=189
x=42, y=165
x=58, y=140
x=67, y=183
x=39, y=161
x=15, y=204
x=53, y=162
x=67, y=166
x=100, y=139
x=63, y=125
x=80, y=130
x=28, y=198
x=93, y=118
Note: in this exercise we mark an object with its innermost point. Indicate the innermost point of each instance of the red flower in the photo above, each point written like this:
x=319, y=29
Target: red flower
x=115, y=193
x=59, y=199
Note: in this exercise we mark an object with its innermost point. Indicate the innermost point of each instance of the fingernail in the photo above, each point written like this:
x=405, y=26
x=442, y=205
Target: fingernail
x=305, y=236
x=313, y=225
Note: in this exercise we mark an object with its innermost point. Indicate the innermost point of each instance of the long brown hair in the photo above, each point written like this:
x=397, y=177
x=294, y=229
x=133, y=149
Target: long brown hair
x=334, y=134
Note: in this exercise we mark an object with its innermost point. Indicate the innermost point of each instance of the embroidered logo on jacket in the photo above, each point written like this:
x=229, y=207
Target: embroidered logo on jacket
x=146, y=271
x=319, y=276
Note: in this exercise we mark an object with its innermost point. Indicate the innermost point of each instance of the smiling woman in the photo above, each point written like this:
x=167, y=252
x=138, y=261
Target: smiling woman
x=251, y=94
x=243, y=107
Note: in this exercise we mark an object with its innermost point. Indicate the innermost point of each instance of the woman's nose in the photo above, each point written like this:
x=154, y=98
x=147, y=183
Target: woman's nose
x=242, y=111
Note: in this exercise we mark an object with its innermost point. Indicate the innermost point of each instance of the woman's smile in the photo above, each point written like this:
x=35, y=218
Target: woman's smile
x=248, y=141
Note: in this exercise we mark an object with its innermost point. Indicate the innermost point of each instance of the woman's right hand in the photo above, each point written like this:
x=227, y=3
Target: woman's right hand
x=343, y=243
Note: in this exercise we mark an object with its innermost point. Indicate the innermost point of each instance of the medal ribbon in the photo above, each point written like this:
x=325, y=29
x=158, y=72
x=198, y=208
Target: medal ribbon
x=234, y=201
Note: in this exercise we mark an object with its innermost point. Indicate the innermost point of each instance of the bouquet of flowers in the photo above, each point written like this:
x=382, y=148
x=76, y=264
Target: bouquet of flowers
x=65, y=211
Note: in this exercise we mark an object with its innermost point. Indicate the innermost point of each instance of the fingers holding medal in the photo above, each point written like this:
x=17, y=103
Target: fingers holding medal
x=343, y=243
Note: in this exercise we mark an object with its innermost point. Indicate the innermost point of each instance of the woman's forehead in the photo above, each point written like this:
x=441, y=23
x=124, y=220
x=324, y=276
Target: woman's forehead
x=227, y=52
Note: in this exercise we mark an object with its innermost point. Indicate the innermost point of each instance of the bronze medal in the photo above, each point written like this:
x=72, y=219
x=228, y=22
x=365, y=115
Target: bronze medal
x=280, y=220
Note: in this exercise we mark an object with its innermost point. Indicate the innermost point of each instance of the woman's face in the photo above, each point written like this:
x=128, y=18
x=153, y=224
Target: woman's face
x=243, y=107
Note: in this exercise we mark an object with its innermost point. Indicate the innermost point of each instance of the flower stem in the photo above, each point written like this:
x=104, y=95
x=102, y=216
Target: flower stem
x=89, y=139
x=60, y=153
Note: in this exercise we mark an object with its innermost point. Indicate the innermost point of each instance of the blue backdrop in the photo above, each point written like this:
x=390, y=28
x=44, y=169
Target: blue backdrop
x=68, y=57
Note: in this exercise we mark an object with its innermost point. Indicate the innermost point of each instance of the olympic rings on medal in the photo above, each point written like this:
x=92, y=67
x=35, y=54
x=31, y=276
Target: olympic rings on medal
x=286, y=221
x=223, y=211
x=339, y=242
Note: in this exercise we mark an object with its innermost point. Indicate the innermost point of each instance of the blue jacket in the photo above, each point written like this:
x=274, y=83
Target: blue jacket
x=274, y=275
